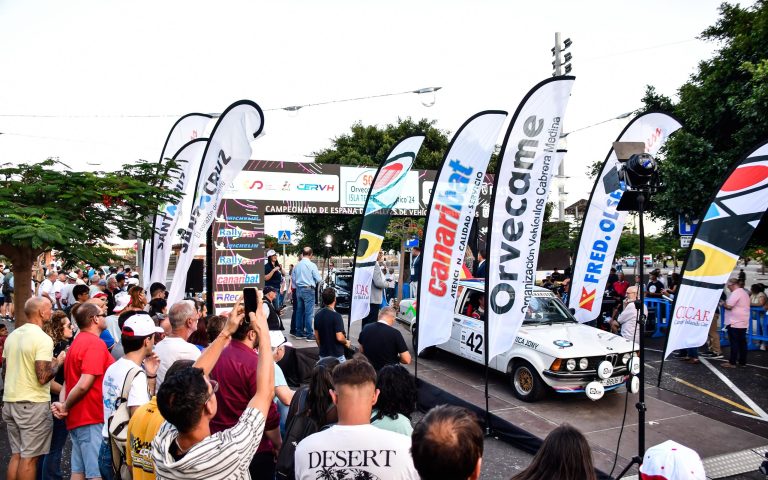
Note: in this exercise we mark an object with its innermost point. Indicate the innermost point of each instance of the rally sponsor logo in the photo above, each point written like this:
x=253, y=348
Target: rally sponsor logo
x=281, y=186
x=236, y=260
x=227, y=279
x=237, y=246
x=236, y=232
x=357, y=182
x=226, y=297
x=238, y=218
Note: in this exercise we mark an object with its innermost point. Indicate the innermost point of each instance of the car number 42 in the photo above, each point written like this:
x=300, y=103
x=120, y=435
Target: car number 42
x=473, y=341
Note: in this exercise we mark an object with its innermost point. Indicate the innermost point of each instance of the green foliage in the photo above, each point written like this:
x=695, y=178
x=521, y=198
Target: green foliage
x=556, y=235
x=722, y=107
x=76, y=213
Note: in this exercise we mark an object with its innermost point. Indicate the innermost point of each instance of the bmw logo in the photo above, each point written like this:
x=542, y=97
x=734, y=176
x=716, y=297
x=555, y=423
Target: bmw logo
x=563, y=343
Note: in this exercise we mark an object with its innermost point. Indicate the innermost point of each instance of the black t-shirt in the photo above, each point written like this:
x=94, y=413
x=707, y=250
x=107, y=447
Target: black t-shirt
x=655, y=288
x=382, y=344
x=59, y=377
x=276, y=279
x=328, y=323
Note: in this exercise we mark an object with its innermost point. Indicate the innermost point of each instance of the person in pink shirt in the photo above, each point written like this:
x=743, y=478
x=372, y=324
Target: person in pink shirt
x=736, y=322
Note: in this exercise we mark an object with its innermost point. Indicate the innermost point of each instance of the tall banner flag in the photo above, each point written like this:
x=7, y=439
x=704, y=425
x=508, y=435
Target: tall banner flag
x=451, y=212
x=187, y=128
x=603, y=224
x=226, y=153
x=722, y=234
x=382, y=197
x=188, y=157
x=521, y=186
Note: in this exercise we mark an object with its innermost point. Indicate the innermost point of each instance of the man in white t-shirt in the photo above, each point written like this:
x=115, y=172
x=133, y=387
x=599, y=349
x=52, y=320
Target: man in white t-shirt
x=183, y=318
x=138, y=340
x=354, y=445
x=46, y=287
x=61, y=280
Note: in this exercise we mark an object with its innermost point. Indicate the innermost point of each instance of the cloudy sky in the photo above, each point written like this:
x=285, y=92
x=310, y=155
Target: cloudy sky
x=99, y=84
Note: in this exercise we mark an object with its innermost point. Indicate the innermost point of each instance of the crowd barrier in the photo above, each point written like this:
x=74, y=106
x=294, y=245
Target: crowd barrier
x=757, y=330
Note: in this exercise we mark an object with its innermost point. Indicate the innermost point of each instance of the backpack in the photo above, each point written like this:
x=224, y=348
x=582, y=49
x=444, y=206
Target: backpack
x=117, y=427
x=8, y=283
x=299, y=427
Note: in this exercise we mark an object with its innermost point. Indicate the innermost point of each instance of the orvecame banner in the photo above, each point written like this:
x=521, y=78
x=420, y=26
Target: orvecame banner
x=529, y=159
x=451, y=212
x=603, y=224
x=722, y=234
x=382, y=196
x=226, y=153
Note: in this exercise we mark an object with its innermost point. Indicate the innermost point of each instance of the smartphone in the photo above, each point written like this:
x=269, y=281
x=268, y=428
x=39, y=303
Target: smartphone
x=250, y=301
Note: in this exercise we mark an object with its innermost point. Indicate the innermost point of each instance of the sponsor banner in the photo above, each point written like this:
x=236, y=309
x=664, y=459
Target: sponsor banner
x=382, y=193
x=356, y=183
x=238, y=260
x=722, y=234
x=529, y=158
x=187, y=128
x=239, y=218
x=237, y=246
x=451, y=212
x=293, y=187
x=238, y=279
x=603, y=224
x=189, y=157
x=226, y=297
x=236, y=232
x=227, y=152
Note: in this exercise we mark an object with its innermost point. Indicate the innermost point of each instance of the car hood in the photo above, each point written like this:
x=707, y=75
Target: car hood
x=569, y=340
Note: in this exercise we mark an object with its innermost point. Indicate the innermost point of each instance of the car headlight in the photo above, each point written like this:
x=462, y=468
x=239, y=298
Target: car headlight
x=583, y=364
x=624, y=358
x=570, y=364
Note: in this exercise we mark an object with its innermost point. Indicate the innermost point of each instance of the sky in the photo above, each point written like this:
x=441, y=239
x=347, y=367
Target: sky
x=99, y=83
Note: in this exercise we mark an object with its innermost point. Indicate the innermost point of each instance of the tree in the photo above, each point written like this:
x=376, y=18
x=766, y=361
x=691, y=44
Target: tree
x=722, y=107
x=74, y=213
x=368, y=146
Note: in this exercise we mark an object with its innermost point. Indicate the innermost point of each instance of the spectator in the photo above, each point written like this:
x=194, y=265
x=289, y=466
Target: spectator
x=183, y=318
x=482, y=267
x=713, y=338
x=397, y=400
x=46, y=287
x=329, y=328
x=294, y=298
x=184, y=447
x=84, y=369
x=3, y=338
x=138, y=340
x=120, y=279
x=377, y=453
x=142, y=429
x=612, y=278
x=307, y=277
x=158, y=290
x=452, y=435
x=671, y=461
x=158, y=308
x=620, y=286
x=112, y=324
x=283, y=393
x=273, y=275
x=235, y=372
x=378, y=284
x=382, y=343
x=415, y=270
x=28, y=367
x=111, y=291
x=390, y=279
x=199, y=337
x=60, y=331
x=67, y=298
x=215, y=326
x=655, y=287
x=81, y=294
x=138, y=298
x=58, y=285
x=736, y=322
x=742, y=277
x=314, y=400
x=627, y=320
x=564, y=455
x=271, y=310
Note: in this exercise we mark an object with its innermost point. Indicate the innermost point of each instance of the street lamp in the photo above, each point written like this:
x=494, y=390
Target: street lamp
x=328, y=243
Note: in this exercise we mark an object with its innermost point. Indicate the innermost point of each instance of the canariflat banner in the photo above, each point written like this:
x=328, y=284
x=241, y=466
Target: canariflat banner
x=603, y=224
x=451, y=211
x=382, y=197
x=226, y=153
x=529, y=158
x=188, y=158
x=187, y=128
x=722, y=234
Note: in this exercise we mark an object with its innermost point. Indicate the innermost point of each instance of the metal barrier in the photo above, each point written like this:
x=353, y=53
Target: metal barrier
x=757, y=329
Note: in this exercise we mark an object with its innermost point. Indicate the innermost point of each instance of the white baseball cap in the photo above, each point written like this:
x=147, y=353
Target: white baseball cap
x=271, y=252
x=140, y=325
x=121, y=301
x=671, y=461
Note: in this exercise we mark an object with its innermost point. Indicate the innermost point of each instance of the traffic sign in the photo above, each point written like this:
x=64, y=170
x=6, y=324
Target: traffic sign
x=685, y=241
x=284, y=237
x=687, y=226
x=412, y=242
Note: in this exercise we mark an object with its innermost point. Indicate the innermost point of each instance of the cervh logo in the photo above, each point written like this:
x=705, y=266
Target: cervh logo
x=227, y=297
x=587, y=299
x=315, y=187
x=230, y=279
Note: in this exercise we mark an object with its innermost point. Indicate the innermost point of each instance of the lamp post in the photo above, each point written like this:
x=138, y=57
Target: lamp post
x=328, y=243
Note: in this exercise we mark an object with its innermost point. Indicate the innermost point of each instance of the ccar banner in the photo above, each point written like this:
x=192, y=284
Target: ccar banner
x=226, y=153
x=529, y=158
x=451, y=212
x=722, y=234
x=382, y=197
x=188, y=157
x=603, y=224
x=189, y=127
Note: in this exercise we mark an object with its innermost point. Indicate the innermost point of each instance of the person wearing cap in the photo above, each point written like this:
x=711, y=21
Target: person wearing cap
x=273, y=275
x=671, y=461
x=138, y=339
x=270, y=310
x=67, y=300
x=121, y=302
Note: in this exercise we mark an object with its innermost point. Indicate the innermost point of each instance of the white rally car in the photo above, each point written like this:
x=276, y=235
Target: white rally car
x=551, y=351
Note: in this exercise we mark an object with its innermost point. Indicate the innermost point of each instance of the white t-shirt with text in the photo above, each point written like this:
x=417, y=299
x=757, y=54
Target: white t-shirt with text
x=112, y=387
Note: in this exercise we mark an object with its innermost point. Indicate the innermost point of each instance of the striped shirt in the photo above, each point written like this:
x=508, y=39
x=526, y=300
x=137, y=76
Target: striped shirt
x=223, y=455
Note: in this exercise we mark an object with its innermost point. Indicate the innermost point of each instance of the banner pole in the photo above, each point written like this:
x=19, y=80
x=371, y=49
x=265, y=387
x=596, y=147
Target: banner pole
x=487, y=396
x=209, y=270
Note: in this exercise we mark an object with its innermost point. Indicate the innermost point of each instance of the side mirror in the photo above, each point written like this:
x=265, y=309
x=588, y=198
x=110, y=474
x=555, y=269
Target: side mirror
x=572, y=310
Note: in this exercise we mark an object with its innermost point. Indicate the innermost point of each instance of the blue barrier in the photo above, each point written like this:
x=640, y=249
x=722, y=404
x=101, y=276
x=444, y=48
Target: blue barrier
x=757, y=318
x=661, y=310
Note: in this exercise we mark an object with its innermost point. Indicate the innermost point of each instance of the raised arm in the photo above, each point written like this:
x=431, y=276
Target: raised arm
x=265, y=372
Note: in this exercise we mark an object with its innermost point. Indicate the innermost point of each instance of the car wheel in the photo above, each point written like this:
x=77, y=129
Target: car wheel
x=526, y=383
x=428, y=352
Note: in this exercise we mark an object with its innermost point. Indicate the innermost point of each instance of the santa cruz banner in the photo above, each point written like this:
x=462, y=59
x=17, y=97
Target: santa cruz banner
x=723, y=232
x=455, y=195
x=382, y=197
x=529, y=158
x=603, y=224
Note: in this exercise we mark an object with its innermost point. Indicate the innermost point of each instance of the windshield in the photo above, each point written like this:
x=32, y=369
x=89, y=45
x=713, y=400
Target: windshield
x=343, y=281
x=546, y=310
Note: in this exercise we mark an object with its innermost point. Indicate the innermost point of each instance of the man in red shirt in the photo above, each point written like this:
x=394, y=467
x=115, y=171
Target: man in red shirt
x=236, y=373
x=84, y=368
x=620, y=286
